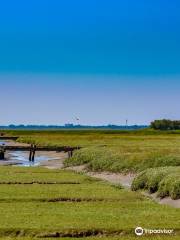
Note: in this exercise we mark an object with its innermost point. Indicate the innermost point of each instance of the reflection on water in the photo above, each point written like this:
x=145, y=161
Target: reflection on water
x=23, y=158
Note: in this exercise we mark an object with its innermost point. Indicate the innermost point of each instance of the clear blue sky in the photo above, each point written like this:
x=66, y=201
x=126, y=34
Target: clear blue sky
x=102, y=61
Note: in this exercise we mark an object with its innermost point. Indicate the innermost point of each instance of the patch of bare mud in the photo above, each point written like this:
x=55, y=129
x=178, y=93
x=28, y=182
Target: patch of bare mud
x=116, y=178
x=8, y=163
x=56, y=160
x=80, y=168
x=124, y=180
x=164, y=201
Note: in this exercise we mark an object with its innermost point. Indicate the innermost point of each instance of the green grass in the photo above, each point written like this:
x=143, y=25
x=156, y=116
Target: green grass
x=102, y=216
x=164, y=180
x=115, y=159
x=119, y=151
x=36, y=174
x=102, y=238
x=26, y=211
x=115, y=151
x=15, y=184
x=56, y=201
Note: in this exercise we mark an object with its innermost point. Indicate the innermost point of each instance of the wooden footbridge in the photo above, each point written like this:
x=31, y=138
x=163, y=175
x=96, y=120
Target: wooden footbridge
x=32, y=149
x=8, y=138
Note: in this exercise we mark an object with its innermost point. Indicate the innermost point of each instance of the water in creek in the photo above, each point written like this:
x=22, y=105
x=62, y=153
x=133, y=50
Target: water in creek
x=22, y=157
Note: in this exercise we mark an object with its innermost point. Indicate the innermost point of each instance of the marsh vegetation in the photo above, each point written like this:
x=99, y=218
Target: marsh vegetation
x=37, y=202
x=61, y=203
x=119, y=152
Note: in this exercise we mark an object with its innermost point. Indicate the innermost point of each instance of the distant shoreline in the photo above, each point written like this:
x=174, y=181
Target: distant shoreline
x=71, y=126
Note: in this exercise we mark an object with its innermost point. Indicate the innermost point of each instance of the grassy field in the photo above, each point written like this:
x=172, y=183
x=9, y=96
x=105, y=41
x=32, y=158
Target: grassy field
x=119, y=151
x=115, y=151
x=101, y=238
x=37, y=202
x=164, y=180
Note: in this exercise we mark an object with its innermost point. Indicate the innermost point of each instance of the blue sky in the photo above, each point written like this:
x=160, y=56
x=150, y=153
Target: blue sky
x=104, y=61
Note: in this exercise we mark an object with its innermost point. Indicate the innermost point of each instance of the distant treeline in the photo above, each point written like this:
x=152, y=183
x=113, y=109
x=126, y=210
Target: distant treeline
x=166, y=124
x=70, y=126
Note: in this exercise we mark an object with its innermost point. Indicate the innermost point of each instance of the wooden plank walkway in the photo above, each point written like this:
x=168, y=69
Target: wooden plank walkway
x=32, y=149
x=28, y=148
x=8, y=138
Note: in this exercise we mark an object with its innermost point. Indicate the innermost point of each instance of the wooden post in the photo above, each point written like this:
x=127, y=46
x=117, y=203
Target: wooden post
x=70, y=154
x=2, y=152
x=30, y=153
x=1, y=155
x=33, y=152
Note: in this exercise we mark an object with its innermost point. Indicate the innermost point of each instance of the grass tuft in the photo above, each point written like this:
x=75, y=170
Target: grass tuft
x=164, y=180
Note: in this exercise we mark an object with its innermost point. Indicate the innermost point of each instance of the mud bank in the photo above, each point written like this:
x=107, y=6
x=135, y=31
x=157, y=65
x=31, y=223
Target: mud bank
x=55, y=160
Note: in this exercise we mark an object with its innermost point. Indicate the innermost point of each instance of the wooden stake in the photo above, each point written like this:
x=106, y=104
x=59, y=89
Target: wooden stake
x=33, y=152
x=30, y=153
